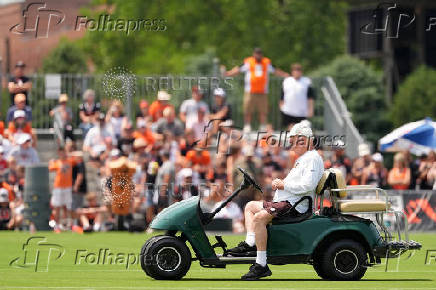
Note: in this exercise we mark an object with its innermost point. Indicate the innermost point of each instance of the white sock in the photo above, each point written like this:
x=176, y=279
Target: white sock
x=261, y=258
x=250, y=239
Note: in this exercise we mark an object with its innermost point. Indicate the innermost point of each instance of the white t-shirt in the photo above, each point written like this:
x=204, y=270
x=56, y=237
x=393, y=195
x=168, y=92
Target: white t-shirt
x=190, y=108
x=95, y=138
x=302, y=180
x=295, y=96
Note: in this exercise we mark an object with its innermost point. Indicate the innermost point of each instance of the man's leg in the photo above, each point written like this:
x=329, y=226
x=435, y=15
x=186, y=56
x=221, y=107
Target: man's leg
x=251, y=209
x=260, y=268
x=248, y=246
x=248, y=110
x=261, y=219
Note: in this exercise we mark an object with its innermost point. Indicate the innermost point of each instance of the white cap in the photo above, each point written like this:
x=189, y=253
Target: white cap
x=19, y=114
x=248, y=151
x=219, y=92
x=4, y=195
x=301, y=129
x=2, y=150
x=163, y=96
x=115, y=152
x=141, y=123
x=186, y=172
x=23, y=138
x=364, y=149
x=377, y=157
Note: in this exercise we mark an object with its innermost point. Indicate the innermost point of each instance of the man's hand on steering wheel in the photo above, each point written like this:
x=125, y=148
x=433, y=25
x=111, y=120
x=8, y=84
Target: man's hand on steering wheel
x=277, y=184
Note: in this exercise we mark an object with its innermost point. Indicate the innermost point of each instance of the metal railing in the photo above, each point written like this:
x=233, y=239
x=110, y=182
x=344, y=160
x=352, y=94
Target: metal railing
x=331, y=114
x=337, y=119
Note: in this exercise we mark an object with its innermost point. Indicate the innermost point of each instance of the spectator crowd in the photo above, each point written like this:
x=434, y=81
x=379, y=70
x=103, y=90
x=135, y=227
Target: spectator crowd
x=178, y=153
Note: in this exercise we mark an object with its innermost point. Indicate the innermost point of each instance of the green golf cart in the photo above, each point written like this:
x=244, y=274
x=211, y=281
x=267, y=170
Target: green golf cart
x=339, y=244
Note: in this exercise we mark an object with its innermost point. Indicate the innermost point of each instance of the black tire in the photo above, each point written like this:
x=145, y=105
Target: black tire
x=343, y=260
x=165, y=258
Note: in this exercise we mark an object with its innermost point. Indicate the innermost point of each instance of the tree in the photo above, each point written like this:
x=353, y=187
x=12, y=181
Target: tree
x=415, y=98
x=311, y=32
x=67, y=57
x=361, y=88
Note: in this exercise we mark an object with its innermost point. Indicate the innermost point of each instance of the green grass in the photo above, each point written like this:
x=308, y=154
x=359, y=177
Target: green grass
x=63, y=273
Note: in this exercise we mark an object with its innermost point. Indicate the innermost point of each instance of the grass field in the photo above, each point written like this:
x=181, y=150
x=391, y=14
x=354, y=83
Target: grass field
x=89, y=273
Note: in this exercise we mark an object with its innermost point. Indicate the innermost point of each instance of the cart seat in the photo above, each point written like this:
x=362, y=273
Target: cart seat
x=363, y=205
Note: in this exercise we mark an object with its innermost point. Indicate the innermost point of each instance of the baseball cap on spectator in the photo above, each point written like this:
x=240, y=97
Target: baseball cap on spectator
x=248, y=151
x=20, y=98
x=20, y=63
x=219, y=92
x=143, y=104
x=19, y=114
x=141, y=123
x=63, y=98
x=186, y=172
x=364, y=149
x=377, y=157
x=115, y=152
x=4, y=195
x=163, y=96
x=23, y=138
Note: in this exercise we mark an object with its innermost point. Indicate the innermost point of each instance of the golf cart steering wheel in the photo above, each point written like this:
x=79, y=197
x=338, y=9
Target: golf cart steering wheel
x=250, y=179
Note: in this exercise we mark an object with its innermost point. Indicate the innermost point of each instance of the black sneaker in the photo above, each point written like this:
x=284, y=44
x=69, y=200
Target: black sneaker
x=243, y=250
x=256, y=272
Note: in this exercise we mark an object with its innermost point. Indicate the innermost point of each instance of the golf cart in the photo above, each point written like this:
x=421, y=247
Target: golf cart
x=339, y=245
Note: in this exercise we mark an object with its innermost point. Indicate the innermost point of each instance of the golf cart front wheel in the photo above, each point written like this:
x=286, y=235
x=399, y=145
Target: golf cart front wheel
x=342, y=260
x=165, y=258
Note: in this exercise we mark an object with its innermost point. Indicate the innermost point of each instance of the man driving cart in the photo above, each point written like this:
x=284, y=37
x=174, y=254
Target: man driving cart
x=299, y=183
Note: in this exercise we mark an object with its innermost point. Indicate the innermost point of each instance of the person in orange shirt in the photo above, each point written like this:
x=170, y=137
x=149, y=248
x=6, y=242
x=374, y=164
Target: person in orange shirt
x=20, y=125
x=157, y=107
x=256, y=69
x=142, y=132
x=62, y=187
x=200, y=160
x=399, y=175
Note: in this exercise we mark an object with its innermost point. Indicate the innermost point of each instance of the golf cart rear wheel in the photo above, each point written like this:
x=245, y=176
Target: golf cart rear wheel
x=342, y=260
x=165, y=258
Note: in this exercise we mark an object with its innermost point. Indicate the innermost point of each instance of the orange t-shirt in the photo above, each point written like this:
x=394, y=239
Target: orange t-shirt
x=203, y=158
x=12, y=129
x=147, y=136
x=2, y=128
x=399, y=175
x=64, y=172
x=156, y=110
x=9, y=189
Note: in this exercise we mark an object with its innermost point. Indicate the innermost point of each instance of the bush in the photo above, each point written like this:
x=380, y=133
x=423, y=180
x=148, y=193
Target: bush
x=416, y=97
x=67, y=57
x=362, y=90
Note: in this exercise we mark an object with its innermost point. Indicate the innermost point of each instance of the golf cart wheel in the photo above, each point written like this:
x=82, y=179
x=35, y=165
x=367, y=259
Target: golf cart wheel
x=342, y=260
x=165, y=258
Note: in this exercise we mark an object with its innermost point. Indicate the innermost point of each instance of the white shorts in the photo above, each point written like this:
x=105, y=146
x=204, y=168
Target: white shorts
x=62, y=197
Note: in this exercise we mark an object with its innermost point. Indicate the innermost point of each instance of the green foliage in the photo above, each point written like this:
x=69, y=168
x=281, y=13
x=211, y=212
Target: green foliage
x=311, y=32
x=362, y=90
x=67, y=57
x=415, y=98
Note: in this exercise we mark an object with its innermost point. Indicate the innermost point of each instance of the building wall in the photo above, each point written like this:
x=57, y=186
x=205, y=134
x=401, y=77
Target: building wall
x=32, y=46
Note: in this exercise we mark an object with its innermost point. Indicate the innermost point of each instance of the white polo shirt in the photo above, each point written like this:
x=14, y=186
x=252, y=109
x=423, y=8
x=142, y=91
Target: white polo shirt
x=295, y=96
x=302, y=180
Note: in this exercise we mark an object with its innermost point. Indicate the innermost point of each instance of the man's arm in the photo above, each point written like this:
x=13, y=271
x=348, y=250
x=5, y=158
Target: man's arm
x=234, y=71
x=280, y=73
